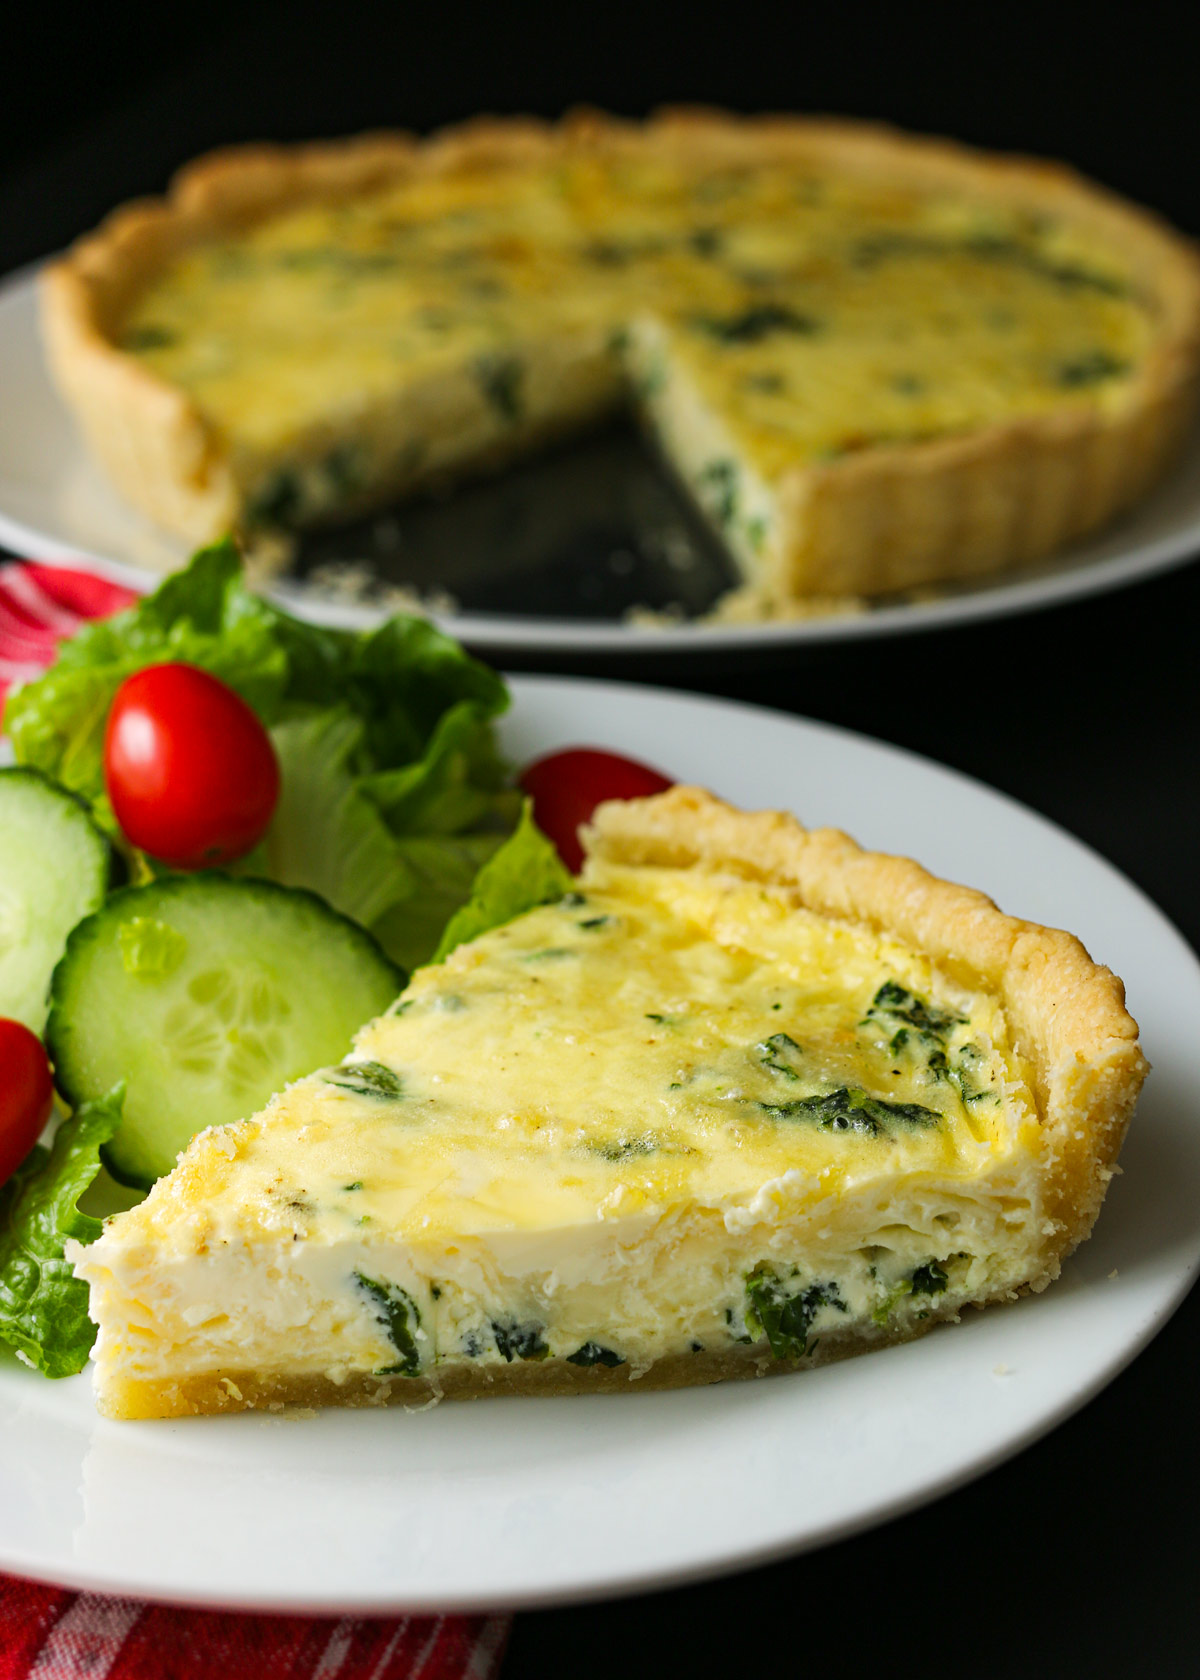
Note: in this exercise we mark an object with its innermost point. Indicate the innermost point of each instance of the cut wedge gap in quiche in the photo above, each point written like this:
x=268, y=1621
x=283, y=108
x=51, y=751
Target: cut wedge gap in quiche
x=750, y=1099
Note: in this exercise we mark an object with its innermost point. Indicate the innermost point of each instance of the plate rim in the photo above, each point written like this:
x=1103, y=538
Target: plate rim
x=1010, y=594
x=1036, y=1422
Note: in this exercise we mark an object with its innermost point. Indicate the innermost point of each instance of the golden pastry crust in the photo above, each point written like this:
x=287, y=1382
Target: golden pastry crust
x=243, y=1391
x=887, y=518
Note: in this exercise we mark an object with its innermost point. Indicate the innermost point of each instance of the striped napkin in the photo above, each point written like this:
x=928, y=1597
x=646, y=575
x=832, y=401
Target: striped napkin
x=40, y=606
x=47, y=1633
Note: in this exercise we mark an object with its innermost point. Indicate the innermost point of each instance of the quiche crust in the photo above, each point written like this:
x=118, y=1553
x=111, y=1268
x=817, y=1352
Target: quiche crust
x=888, y=517
x=248, y=1390
x=1074, y=1040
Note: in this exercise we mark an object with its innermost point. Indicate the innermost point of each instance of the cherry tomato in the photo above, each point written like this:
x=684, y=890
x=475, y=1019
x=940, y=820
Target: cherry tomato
x=567, y=786
x=190, y=770
x=26, y=1094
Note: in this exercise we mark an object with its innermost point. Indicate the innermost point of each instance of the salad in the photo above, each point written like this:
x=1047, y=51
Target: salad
x=228, y=837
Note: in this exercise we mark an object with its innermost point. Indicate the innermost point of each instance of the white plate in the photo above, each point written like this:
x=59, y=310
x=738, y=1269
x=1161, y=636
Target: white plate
x=56, y=505
x=516, y=1502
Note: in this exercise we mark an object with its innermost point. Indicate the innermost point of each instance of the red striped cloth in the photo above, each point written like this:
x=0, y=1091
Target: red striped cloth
x=47, y=1633
x=40, y=606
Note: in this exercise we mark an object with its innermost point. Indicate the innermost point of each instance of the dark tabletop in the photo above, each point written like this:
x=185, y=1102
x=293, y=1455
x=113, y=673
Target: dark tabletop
x=1080, y=1556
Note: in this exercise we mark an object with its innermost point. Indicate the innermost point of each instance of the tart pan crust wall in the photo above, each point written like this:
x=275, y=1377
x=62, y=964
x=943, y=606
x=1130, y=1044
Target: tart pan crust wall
x=888, y=518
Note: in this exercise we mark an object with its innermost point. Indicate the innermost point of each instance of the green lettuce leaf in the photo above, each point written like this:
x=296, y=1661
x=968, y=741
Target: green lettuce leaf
x=445, y=868
x=43, y=1305
x=402, y=678
x=525, y=872
x=393, y=789
x=328, y=835
x=456, y=783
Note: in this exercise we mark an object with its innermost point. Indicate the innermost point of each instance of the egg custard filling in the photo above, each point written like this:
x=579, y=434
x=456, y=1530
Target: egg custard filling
x=806, y=317
x=693, y=1120
x=321, y=331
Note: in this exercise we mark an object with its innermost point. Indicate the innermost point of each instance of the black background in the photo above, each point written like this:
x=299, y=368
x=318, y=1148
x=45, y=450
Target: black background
x=1081, y=1556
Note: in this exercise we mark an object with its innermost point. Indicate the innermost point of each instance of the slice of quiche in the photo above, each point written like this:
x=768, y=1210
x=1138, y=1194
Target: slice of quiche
x=749, y=1099
x=873, y=360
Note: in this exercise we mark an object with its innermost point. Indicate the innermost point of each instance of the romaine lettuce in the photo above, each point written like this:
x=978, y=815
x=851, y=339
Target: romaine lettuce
x=330, y=836
x=43, y=1305
x=525, y=872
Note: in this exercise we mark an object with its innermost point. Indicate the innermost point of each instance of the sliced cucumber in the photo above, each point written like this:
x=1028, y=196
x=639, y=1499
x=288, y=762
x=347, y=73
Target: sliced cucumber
x=206, y=995
x=55, y=867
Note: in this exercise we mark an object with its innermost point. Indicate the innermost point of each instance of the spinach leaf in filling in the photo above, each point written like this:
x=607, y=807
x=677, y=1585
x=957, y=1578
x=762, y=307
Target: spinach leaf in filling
x=719, y=480
x=929, y=1279
x=895, y=1006
x=1089, y=369
x=779, y=1054
x=500, y=379
x=369, y=1079
x=591, y=1353
x=921, y=1029
x=759, y=321
x=848, y=1109
x=783, y=1315
x=397, y=1312
x=278, y=500
x=519, y=1341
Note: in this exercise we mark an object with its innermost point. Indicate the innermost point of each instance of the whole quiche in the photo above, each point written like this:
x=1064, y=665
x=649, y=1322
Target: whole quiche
x=875, y=361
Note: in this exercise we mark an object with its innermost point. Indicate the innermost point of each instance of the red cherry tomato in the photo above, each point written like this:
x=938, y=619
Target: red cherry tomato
x=567, y=786
x=190, y=770
x=26, y=1094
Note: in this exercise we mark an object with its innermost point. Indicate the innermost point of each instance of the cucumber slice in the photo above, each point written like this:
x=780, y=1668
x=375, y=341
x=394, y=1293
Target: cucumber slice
x=55, y=867
x=206, y=995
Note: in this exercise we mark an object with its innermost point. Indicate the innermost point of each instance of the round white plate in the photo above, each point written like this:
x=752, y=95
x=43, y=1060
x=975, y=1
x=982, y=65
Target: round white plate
x=528, y=1501
x=56, y=505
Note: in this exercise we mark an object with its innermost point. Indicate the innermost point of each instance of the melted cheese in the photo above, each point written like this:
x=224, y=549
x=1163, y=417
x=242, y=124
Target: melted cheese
x=609, y=1125
x=340, y=350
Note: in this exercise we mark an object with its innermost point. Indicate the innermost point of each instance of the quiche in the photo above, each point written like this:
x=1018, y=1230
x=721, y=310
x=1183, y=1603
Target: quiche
x=874, y=361
x=747, y=1100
